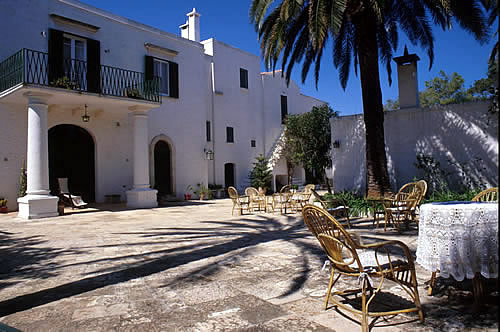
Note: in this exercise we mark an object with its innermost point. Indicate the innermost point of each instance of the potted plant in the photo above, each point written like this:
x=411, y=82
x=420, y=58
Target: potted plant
x=203, y=192
x=3, y=205
x=261, y=175
x=187, y=193
x=216, y=189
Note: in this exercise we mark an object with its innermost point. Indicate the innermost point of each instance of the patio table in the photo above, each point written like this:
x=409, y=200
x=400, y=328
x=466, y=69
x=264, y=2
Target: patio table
x=459, y=239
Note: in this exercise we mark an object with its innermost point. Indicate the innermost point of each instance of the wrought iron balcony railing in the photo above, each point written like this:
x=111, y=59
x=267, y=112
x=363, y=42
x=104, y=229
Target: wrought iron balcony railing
x=33, y=67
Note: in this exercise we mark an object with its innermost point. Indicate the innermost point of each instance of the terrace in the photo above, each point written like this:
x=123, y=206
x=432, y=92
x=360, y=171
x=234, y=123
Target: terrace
x=192, y=266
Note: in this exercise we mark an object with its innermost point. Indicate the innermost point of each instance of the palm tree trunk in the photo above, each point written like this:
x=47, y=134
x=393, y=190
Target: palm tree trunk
x=377, y=177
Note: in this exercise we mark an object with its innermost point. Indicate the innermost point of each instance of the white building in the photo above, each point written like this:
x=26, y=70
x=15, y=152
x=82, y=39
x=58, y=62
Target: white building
x=69, y=62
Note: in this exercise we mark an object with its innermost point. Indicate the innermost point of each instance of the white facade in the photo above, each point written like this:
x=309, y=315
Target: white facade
x=461, y=137
x=125, y=131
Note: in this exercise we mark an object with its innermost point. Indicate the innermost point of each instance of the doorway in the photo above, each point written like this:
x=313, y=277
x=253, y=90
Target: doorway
x=163, y=168
x=72, y=156
x=229, y=175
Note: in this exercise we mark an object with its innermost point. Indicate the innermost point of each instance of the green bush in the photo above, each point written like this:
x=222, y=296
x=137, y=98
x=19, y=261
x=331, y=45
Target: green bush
x=448, y=195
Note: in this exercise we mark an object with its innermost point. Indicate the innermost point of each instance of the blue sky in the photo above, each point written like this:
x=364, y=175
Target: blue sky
x=227, y=21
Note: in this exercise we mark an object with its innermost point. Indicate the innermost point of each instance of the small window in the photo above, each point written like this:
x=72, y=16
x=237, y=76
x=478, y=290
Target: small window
x=229, y=135
x=208, y=131
x=252, y=143
x=284, y=109
x=243, y=78
x=161, y=69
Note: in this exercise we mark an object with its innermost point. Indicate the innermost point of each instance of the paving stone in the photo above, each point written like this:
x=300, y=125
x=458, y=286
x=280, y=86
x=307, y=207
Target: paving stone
x=194, y=267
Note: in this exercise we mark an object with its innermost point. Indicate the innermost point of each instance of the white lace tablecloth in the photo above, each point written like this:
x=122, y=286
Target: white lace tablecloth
x=459, y=239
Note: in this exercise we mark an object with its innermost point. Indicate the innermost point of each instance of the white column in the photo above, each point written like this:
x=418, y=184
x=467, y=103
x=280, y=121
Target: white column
x=141, y=195
x=37, y=203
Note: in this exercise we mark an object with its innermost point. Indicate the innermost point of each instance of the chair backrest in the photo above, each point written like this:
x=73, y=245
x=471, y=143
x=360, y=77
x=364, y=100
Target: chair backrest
x=318, y=198
x=285, y=189
x=423, y=190
x=308, y=187
x=232, y=192
x=63, y=185
x=251, y=191
x=487, y=195
x=335, y=240
x=411, y=193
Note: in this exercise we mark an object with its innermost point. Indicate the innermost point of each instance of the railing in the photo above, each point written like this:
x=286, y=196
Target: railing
x=33, y=67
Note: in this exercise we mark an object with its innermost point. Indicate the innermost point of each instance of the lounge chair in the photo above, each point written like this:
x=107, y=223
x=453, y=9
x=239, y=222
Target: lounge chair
x=75, y=201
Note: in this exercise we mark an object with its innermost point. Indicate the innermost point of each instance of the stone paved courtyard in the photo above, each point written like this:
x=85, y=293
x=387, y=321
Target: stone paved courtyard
x=191, y=266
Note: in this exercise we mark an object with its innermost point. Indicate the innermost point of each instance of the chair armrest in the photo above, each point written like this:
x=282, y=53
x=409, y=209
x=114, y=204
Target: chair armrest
x=381, y=245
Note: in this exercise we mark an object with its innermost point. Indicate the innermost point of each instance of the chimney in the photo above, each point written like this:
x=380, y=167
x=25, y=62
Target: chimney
x=407, y=79
x=191, y=29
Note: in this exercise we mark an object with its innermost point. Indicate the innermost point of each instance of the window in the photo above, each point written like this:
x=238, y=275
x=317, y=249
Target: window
x=243, y=78
x=229, y=135
x=284, y=109
x=252, y=143
x=167, y=71
x=74, y=58
x=208, y=131
x=161, y=70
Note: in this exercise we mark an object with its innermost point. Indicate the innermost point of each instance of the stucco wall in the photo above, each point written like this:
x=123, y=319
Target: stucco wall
x=458, y=136
x=254, y=113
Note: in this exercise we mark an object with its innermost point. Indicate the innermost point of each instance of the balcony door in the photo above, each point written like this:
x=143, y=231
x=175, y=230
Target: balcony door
x=75, y=61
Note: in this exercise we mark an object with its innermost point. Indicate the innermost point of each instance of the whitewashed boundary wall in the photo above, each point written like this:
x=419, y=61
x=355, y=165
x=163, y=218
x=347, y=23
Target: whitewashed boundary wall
x=460, y=137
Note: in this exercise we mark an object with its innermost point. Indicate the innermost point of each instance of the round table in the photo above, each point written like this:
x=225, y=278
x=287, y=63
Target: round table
x=459, y=239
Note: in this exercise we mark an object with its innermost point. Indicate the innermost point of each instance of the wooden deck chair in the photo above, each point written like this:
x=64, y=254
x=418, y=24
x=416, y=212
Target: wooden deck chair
x=75, y=201
x=336, y=207
x=349, y=257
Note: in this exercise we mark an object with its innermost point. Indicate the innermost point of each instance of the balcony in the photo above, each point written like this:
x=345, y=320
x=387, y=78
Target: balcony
x=33, y=68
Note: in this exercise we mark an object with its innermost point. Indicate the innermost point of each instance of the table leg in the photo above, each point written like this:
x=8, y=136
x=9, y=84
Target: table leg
x=431, y=283
x=477, y=289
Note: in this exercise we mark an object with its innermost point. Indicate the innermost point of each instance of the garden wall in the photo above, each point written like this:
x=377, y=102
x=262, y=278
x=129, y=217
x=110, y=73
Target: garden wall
x=462, y=138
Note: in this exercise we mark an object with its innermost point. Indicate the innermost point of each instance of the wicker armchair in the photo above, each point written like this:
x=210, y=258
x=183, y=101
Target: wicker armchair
x=401, y=209
x=241, y=202
x=422, y=185
x=336, y=207
x=487, y=195
x=301, y=198
x=344, y=251
x=256, y=199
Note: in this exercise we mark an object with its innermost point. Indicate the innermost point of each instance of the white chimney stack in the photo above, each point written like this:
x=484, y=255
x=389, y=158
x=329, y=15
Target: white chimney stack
x=407, y=80
x=191, y=29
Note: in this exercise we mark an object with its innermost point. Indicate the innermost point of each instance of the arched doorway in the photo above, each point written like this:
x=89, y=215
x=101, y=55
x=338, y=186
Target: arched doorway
x=72, y=156
x=162, y=168
x=229, y=175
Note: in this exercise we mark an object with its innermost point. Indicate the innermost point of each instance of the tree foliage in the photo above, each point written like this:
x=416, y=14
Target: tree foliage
x=261, y=175
x=363, y=34
x=308, y=139
x=449, y=89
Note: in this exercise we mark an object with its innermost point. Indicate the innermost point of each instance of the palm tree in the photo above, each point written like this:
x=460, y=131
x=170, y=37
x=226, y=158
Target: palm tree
x=296, y=31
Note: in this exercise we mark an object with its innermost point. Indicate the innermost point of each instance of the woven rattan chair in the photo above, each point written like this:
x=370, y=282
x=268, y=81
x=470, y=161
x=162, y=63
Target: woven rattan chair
x=400, y=209
x=422, y=185
x=286, y=189
x=256, y=199
x=336, y=207
x=241, y=202
x=487, y=195
x=301, y=198
x=344, y=252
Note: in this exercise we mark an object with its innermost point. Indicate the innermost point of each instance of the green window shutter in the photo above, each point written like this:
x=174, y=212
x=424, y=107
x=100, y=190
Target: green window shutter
x=173, y=78
x=56, y=68
x=93, y=66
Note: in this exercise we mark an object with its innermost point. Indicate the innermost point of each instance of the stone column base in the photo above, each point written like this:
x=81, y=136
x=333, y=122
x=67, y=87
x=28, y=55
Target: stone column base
x=142, y=198
x=37, y=206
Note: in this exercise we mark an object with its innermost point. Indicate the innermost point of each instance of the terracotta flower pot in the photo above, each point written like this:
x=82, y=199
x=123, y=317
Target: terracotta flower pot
x=3, y=209
x=187, y=197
